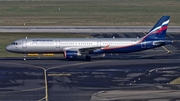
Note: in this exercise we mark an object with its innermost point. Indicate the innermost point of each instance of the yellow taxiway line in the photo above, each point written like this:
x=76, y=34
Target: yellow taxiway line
x=42, y=99
x=168, y=51
x=45, y=79
x=45, y=75
x=46, y=84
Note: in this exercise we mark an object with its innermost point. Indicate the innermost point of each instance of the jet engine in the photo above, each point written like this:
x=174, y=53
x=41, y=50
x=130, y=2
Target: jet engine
x=71, y=54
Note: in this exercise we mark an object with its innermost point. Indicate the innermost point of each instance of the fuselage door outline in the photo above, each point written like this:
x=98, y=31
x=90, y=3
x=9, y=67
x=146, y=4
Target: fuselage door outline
x=24, y=44
x=57, y=44
x=98, y=43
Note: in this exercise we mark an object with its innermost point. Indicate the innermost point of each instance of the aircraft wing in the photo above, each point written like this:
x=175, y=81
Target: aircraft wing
x=83, y=50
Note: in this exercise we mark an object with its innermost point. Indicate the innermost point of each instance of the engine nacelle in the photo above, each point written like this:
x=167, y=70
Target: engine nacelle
x=71, y=54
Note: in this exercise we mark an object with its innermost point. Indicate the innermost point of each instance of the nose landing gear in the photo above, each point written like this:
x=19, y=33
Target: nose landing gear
x=24, y=58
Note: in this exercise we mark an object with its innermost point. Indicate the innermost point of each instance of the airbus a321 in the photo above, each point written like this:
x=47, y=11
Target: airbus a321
x=73, y=48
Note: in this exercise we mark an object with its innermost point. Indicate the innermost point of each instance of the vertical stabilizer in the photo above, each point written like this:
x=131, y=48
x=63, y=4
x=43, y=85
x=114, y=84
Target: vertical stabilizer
x=159, y=29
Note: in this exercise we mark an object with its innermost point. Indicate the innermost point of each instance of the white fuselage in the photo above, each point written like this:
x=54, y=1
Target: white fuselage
x=58, y=45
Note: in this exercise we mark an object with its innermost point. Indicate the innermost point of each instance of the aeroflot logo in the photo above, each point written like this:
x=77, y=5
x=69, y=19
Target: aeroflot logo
x=160, y=28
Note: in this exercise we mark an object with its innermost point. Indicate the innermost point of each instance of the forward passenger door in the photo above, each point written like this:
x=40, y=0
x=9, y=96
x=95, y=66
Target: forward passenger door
x=57, y=44
x=24, y=44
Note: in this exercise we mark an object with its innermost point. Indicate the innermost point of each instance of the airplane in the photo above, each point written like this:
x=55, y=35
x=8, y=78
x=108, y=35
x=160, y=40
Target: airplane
x=72, y=48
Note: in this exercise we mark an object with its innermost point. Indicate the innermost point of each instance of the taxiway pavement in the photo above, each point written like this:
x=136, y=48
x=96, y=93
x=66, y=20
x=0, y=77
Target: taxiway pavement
x=82, y=29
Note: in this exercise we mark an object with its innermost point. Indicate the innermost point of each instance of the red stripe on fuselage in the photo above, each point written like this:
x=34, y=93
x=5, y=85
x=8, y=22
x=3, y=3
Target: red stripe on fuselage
x=119, y=47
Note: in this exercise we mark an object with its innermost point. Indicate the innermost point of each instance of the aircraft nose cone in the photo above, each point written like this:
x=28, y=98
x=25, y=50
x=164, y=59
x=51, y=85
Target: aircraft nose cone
x=8, y=48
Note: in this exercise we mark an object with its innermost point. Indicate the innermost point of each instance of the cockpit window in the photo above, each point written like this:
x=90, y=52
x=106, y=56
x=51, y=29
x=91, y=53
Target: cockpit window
x=14, y=43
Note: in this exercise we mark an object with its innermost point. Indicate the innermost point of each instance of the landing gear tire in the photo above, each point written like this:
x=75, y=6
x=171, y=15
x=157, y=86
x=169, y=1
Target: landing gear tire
x=88, y=58
x=24, y=57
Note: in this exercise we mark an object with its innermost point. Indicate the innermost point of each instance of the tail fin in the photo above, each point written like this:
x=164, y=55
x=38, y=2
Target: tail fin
x=159, y=29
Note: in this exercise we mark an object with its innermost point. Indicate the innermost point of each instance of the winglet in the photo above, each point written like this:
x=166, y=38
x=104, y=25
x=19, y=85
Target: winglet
x=106, y=47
